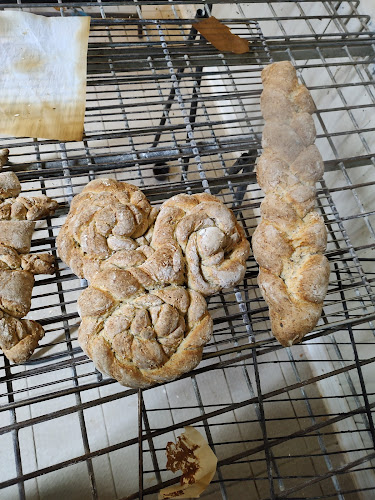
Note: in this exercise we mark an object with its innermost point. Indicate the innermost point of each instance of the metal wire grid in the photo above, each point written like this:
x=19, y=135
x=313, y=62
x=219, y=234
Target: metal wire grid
x=259, y=405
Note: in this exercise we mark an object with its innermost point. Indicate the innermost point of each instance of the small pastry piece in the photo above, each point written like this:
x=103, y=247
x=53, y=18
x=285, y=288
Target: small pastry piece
x=19, y=337
x=16, y=287
x=22, y=208
x=17, y=234
x=4, y=153
x=291, y=239
x=42, y=263
x=17, y=279
x=10, y=186
x=152, y=268
x=106, y=217
x=142, y=338
x=212, y=241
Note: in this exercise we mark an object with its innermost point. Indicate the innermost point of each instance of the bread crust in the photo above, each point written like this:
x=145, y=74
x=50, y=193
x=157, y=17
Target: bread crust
x=17, y=234
x=140, y=325
x=19, y=337
x=291, y=238
x=22, y=208
x=105, y=217
x=142, y=338
x=213, y=243
x=9, y=185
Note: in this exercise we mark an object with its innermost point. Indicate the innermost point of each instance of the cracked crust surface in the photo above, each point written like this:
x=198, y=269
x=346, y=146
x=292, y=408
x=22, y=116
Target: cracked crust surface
x=142, y=338
x=291, y=239
x=106, y=217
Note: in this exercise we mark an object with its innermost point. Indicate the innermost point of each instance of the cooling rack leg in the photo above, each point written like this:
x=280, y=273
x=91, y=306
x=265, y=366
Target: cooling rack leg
x=140, y=444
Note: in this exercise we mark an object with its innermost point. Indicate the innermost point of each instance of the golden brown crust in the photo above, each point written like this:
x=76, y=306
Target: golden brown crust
x=42, y=263
x=290, y=241
x=212, y=241
x=17, y=279
x=290, y=319
x=139, y=325
x=19, y=337
x=107, y=216
x=15, y=292
x=9, y=258
x=152, y=268
x=142, y=338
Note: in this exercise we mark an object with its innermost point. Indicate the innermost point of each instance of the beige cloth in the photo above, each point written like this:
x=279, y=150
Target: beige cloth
x=43, y=65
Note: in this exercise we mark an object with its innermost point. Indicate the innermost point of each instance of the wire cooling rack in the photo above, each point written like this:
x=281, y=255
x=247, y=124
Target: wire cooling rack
x=169, y=113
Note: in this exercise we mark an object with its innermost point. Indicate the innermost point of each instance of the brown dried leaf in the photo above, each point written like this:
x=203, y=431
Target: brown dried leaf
x=221, y=37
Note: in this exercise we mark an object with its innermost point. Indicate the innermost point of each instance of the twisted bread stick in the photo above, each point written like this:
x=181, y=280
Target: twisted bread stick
x=290, y=241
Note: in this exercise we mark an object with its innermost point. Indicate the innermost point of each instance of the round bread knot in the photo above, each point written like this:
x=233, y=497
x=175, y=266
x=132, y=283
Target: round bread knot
x=19, y=337
x=140, y=325
x=213, y=243
x=105, y=217
x=138, y=337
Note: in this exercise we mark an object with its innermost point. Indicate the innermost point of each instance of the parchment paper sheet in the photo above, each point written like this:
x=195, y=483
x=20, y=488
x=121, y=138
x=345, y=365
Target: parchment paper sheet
x=201, y=459
x=43, y=63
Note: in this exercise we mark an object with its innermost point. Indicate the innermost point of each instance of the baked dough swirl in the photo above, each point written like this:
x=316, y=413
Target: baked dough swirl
x=141, y=338
x=107, y=216
x=212, y=241
x=291, y=239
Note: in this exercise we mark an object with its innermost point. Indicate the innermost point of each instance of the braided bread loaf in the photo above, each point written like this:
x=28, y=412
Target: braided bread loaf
x=290, y=241
x=142, y=338
x=212, y=241
x=107, y=216
x=139, y=324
